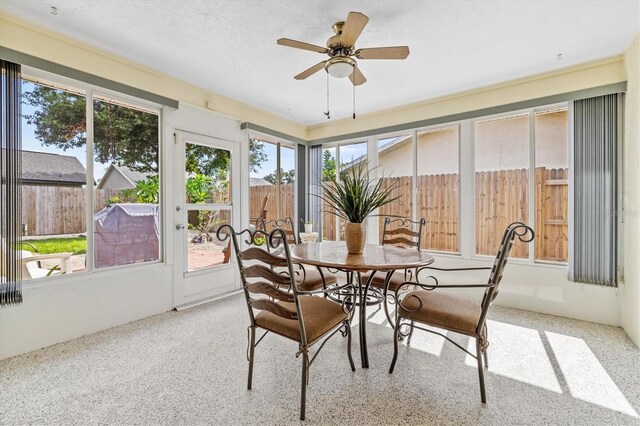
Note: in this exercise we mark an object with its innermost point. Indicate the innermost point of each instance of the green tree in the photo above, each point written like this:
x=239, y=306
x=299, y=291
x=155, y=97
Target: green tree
x=328, y=166
x=122, y=135
x=285, y=177
x=148, y=190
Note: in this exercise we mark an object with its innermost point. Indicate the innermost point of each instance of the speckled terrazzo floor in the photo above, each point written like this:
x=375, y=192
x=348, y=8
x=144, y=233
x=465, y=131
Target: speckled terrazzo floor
x=189, y=367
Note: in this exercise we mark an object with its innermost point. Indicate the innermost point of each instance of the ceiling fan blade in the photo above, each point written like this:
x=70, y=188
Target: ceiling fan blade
x=352, y=28
x=391, y=52
x=301, y=45
x=310, y=71
x=357, y=78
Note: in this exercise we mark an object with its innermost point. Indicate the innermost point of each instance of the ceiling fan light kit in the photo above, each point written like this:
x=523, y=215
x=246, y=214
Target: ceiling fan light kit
x=341, y=50
x=340, y=66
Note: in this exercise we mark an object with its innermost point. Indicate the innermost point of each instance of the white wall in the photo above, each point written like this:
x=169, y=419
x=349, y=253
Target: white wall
x=57, y=309
x=630, y=301
x=63, y=308
x=540, y=288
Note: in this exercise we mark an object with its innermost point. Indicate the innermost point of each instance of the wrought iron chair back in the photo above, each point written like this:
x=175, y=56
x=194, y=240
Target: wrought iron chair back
x=285, y=224
x=406, y=232
x=524, y=234
x=260, y=282
x=419, y=306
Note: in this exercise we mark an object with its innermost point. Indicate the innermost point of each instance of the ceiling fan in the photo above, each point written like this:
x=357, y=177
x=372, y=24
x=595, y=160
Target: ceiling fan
x=341, y=50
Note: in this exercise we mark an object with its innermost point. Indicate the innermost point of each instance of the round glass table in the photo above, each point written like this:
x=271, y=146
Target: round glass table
x=374, y=258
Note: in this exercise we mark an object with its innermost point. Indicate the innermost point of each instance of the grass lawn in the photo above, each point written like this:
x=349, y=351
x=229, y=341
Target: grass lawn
x=75, y=245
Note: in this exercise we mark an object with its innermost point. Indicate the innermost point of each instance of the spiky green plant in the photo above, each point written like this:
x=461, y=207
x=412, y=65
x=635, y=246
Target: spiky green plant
x=357, y=194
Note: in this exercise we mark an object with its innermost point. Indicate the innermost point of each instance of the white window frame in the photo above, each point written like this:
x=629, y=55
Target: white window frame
x=373, y=164
x=88, y=91
x=279, y=142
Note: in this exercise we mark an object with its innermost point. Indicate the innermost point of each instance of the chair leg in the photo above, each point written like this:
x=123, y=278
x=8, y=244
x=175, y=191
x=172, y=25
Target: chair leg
x=305, y=381
x=396, y=338
x=348, y=326
x=252, y=339
x=385, y=294
x=410, y=334
x=479, y=356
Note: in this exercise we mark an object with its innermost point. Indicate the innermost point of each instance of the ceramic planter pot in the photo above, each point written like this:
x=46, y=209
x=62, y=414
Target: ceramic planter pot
x=355, y=236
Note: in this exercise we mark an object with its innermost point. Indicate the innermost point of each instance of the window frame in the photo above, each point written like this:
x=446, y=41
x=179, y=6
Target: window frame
x=38, y=76
x=466, y=170
x=279, y=142
x=337, y=145
x=531, y=116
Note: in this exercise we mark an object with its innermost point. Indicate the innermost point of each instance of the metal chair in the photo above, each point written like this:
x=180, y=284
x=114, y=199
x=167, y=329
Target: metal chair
x=405, y=233
x=455, y=313
x=297, y=315
x=309, y=279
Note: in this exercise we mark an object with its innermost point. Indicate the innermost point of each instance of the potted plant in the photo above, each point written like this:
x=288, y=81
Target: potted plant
x=308, y=226
x=353, y=198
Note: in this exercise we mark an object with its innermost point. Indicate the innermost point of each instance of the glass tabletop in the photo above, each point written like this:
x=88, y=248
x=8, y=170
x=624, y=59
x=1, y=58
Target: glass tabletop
x=333, y=254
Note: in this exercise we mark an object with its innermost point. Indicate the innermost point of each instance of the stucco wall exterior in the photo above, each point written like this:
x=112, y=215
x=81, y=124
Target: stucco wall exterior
x=500, y=144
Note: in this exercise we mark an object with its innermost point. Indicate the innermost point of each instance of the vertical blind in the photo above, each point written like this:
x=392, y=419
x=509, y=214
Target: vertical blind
x=596, y=129
x=10, y=191
x=315, y=176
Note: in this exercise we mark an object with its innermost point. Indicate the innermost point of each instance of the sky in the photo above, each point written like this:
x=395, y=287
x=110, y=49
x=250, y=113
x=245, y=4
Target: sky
x=287, y=160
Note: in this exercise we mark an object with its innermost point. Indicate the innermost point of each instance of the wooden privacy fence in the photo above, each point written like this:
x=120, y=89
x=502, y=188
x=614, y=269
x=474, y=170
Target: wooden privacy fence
x=256, y=199
x=501, y=198
x=51, y=210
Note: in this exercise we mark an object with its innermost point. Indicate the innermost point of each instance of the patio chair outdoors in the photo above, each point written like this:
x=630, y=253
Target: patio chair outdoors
x=297, y=315
x=263, y=210
x=31, y=266
x=407, y=234
x=457, y=314
x=310, y=278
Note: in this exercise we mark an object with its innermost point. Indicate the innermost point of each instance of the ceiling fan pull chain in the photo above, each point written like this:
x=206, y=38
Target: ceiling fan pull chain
x=354, y=96
x=328, y=113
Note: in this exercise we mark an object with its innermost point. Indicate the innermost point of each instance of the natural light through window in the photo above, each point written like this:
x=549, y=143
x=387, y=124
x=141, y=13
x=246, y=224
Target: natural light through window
x=519, y=354
x=586, y=378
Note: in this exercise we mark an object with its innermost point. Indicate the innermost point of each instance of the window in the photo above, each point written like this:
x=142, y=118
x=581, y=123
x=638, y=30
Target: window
x=501, y=181
x=54, y=179
x=552, y=185
x=272, y=171
x=349, y=156
x=328, y=175
x=438, y=188
x=127, y=193
x=123, y=191
x=208, y=203
x=395, y=170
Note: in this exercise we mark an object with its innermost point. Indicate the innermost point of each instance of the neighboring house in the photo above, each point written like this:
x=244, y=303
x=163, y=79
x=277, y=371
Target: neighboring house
x=258, y=182
x=507, y=139
x=45, y=169
x=121, y=177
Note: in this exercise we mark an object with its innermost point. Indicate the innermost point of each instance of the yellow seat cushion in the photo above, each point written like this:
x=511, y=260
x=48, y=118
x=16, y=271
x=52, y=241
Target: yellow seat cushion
x=320, y=315
x=441, y=310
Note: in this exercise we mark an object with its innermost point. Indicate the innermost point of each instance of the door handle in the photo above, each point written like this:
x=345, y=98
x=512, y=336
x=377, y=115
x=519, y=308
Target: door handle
x=179, y=227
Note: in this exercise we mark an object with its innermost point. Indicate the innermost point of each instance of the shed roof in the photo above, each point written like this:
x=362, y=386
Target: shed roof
x=56, y=169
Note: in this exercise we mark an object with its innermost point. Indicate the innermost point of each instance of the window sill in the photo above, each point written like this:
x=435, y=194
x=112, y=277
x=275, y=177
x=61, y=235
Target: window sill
x=61, y=280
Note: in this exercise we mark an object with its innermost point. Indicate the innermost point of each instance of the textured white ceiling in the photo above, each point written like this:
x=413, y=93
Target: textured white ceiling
x=229, y=47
